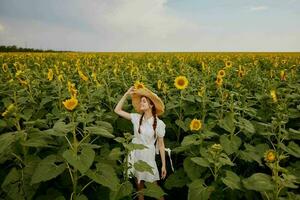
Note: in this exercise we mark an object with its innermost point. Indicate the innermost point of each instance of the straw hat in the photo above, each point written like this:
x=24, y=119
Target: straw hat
x=138, y=93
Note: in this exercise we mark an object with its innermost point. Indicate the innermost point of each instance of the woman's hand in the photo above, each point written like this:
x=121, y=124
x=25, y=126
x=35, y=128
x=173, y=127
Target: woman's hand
x=130, y=90
x=163, y=172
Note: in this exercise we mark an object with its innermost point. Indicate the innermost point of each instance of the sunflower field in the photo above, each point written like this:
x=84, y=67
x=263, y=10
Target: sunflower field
x=232, y=123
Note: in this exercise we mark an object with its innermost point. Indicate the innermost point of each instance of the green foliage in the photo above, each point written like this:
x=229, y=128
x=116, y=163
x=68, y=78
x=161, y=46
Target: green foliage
x=81, y=160
x=104, y=175
x=259, y=182
x=152, y=190
x=198, y=191
x=47, y=169
x=247, y=146
x=143, y=166
x=232, y=180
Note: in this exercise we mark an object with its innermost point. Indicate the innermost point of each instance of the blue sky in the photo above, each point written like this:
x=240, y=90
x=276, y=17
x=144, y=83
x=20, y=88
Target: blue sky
x=152, y=25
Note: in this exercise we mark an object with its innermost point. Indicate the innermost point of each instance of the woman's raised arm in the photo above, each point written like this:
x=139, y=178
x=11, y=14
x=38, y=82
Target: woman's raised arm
x=118, y=108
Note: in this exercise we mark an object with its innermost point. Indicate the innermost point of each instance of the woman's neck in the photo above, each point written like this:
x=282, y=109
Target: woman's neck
x=147, y=114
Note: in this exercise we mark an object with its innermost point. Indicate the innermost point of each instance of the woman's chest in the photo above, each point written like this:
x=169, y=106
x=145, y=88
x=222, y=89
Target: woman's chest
x=146, y=131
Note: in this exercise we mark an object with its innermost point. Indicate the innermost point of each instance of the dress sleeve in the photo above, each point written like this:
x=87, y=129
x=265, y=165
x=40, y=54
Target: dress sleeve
x=161, y=129
x=135, y=117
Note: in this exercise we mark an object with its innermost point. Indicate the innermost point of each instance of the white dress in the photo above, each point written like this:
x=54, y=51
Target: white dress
x=146, y=137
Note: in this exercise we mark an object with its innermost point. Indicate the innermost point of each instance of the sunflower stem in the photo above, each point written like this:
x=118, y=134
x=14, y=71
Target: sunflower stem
x=180, y=115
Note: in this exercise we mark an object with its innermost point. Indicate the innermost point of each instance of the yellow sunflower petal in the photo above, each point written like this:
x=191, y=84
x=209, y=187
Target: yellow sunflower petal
x=181, y=82
x=70, y=104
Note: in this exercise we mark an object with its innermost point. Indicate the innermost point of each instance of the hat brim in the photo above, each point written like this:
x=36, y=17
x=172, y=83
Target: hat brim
x=136, y=98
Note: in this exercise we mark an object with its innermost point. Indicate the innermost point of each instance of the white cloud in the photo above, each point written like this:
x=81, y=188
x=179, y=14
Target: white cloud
x=139, y=24
x=142, y=25
x=35, y=34
x=118, y=25
x=258, y=8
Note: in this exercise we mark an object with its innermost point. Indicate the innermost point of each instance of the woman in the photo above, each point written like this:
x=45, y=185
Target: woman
x=147, y=128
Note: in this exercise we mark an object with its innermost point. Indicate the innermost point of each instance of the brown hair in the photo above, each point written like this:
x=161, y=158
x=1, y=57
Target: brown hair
x=154, y=115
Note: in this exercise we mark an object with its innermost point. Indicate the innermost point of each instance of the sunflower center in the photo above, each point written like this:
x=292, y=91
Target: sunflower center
x=271, y=156
x=196, y=125
x=180, y=82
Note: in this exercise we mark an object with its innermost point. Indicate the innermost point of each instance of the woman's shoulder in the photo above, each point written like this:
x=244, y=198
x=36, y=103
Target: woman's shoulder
x=135, y=114
x=160, y=121
x=135, y=117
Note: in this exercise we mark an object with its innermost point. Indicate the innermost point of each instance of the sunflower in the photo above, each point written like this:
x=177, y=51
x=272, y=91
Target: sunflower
x=201, y=91
x=273, y=95
x=50, y=74
x=72, y=89
x=221, y=73
x=228, y=64
x=70, y=104
x=159, y=84
x=19, y=72
x=219, y=81
x=150, y=66
x=60, y=77
x=17, y=66
x=132, y=72
x=139, y=85
x=165, y=88
x=9, y=109
x=195, y=125
x=82, y=76
x=270, y=155
x=241, y=73
x=116, y=70
x=181, y=82
x=203, y=66
x=56, y=69
x=240, y=68
x=4, y=67
x=94, y=76
x=70, y=86
x=216, y=147
x=4, y=113
x=282, y=75
x=64, y=63
x=136, y=69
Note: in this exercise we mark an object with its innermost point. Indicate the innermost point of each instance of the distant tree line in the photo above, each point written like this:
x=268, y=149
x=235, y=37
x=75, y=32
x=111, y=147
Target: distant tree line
x=14, y=48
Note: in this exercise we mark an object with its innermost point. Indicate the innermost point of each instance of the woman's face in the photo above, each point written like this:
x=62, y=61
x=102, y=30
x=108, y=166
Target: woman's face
x=145, y=104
